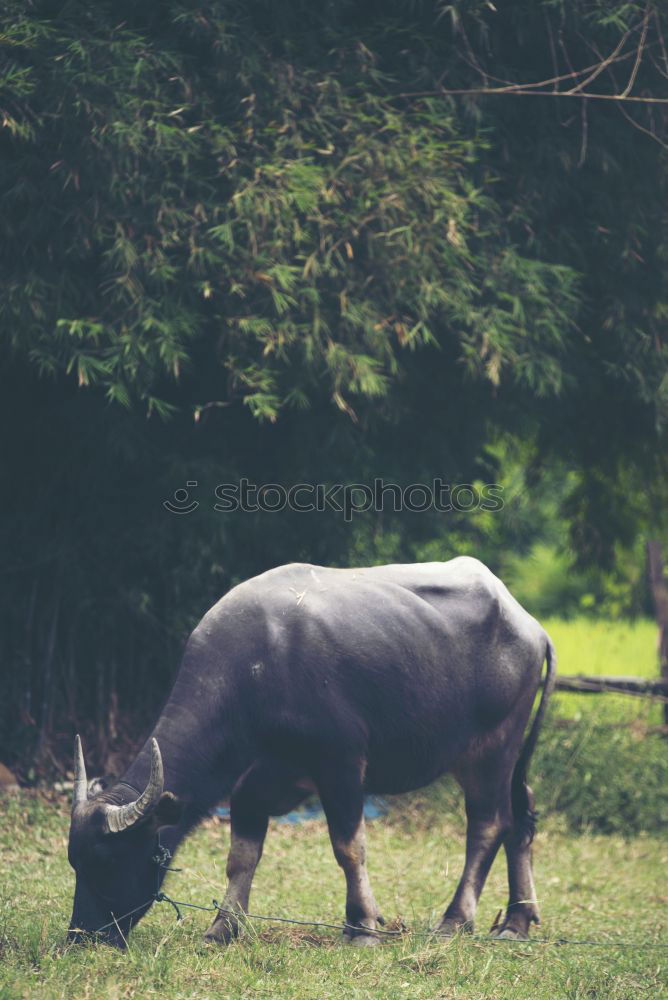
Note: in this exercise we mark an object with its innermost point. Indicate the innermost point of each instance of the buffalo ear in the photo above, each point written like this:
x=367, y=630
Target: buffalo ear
x=168, y=810
x=97, y=785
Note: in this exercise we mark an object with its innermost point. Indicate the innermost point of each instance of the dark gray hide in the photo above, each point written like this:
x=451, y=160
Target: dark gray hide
x=344, y=681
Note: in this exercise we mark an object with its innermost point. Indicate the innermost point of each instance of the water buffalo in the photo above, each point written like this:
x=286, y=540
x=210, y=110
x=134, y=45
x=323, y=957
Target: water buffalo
x=340, y=681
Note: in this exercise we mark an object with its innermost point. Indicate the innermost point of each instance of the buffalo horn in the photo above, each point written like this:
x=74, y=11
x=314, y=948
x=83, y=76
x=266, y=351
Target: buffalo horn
x=80, y=781
x=119, y=818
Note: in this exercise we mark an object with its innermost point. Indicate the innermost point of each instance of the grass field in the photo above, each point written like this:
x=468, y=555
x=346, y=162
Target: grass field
x=608, y=889
x=601, y=888
x=606, y=648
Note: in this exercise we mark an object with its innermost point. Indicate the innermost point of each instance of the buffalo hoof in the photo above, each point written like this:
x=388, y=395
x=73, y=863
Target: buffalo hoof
x=221, y=934
x=362, y=940
x=510, y=934
x=450, y=927
x=359, y=936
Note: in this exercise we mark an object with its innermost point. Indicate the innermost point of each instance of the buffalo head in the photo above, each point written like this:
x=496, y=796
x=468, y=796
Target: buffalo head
x=112, y=848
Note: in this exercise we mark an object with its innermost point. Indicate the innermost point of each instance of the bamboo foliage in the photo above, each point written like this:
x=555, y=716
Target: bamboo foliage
x=296, y=242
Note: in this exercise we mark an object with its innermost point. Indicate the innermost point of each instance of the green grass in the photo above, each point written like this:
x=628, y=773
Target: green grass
x=609, y=888
x=598, y=647
x=601, y=888
x=606, y=648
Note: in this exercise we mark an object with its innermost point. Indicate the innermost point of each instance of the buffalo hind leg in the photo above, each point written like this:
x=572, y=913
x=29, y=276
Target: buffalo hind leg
x=342, y=796
x=266, y=789
x=522, y=908
x=489, y=819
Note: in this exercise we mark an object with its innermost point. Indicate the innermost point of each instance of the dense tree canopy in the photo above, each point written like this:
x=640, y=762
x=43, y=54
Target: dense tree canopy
x=266, y=240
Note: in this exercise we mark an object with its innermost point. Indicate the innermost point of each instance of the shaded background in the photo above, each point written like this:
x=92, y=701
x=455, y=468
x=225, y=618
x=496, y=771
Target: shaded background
x=259, y=240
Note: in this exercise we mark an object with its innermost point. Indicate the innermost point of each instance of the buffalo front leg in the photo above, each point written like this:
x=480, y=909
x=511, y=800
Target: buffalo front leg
x=486, y=829
x=267, y=788
x=247, y=839
x=342, y=799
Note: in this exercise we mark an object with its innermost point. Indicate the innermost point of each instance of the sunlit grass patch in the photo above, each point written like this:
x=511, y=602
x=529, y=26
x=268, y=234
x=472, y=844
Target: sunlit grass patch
x=606, y=649
x=600, y=647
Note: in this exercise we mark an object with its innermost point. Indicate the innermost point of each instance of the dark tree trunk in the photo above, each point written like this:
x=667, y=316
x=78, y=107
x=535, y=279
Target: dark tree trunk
x=660, y=595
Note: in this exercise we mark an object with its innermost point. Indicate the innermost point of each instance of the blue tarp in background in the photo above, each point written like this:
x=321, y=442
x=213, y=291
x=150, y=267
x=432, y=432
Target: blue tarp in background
x=374, y=807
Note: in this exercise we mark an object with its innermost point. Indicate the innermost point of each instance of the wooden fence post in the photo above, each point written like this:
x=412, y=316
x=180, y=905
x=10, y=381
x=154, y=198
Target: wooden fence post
x=660, y=595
